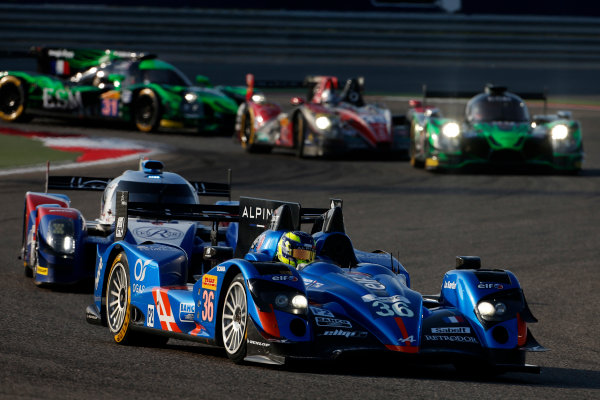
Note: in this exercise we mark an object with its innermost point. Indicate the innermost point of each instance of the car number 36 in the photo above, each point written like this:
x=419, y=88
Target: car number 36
x=398, y=308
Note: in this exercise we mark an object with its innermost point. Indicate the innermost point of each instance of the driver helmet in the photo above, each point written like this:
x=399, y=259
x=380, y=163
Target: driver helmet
x=296, y=248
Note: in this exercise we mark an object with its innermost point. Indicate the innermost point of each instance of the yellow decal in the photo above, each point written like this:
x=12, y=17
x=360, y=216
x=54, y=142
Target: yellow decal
x=41, y=270
x=209, y=282
x=167, y=123
x=111, y=94
x=431, y=162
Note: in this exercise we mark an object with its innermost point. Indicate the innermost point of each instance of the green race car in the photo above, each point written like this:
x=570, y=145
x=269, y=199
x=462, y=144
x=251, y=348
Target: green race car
x=113, y=85
x=497, y=132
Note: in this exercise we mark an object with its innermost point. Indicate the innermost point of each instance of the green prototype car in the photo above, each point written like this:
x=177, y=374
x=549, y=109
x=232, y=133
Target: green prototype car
x=113, y=85
x=497, y=132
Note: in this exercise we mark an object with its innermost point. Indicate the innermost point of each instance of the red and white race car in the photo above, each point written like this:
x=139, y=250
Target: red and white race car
x=331, y=122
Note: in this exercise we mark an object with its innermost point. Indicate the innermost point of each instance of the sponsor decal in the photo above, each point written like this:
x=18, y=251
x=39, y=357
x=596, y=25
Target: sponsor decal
x=449, y=285
x=41, y=270
x=458, y=329
x=62, y=99
x=61, y=53
x=333, y=322
x=186, y=312
x=312, y=283
x=409, y=339
x=348, y=334
x=391, y=299
x=220, y=268
x=158, y=232
x=454, y=319
x=490, y=286
x=323, y=312
x=139, y=270
x=284, y=278
x=155, y=247
x=257, y=213
x=98, y=272
x=163, y=305
x=453, y=338
x=150, y=316
x=261, y=344
x=209, y=282
x=366, y=282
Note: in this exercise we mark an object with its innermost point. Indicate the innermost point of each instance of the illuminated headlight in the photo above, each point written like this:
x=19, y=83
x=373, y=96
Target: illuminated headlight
x=323, y=122
x=486, y=310
x=190, y=97
x=61, y=236
x=258, y=97
x=451, y=130
x=299, y=301
x=560, y=132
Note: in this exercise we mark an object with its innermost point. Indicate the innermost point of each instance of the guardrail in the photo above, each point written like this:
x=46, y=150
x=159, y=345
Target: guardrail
x=375, y=37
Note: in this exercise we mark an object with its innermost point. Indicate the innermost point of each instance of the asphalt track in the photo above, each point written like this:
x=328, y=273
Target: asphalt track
x=544, y=228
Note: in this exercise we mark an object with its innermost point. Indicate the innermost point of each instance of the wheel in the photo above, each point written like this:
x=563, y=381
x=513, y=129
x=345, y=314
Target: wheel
x=146, y=111
x=234, y=320
x=247, y=135
x=118, y=300
x=12, y=100
x=300, y=135
x=413, y=150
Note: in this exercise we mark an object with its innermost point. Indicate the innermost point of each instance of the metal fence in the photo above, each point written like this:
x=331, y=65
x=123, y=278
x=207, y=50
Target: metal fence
x=303, y=35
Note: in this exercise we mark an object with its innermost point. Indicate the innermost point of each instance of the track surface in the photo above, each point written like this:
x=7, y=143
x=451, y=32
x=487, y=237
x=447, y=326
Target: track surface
x=544, y=228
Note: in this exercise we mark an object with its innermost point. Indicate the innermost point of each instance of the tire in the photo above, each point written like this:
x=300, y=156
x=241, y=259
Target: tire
x=12, y=100
x=234, y=320
x=247, y=135
x=146, y=111
x=118, y=301
x=300, y=136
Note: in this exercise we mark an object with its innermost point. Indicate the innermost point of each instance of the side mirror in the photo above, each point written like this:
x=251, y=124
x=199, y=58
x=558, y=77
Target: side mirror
x=296, y=101
x=203, y=80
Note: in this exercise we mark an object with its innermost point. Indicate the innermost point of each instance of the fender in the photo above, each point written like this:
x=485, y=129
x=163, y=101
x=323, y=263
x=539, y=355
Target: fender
x=34, y=199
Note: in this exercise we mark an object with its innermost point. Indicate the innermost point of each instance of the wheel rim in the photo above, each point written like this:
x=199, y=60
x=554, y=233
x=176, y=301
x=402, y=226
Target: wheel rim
x=145, y=112
x=247, y=133
x=12, y=103
x=117, y=298
x=234, y=318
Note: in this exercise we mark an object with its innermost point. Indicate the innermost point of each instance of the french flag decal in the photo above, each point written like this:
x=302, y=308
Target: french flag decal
x=61, y=67
x=454, y=319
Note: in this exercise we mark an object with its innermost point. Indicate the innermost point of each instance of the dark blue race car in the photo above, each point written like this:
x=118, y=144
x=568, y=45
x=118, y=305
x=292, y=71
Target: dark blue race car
x=60, y=246
x=258, y=309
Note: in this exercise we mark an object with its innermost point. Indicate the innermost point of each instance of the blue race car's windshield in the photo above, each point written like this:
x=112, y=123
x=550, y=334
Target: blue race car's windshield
x=497, y=108
x=158, y=192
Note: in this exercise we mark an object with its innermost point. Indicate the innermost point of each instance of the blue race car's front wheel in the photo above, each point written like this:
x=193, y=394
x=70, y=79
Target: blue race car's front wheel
x=234, y=320
x=118, y=300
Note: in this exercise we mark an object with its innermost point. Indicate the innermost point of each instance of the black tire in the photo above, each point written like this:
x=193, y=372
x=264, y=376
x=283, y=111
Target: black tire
x=300, y=135
x=234, y=320
x=118, y=301
x=12, y=100
x=146, y=111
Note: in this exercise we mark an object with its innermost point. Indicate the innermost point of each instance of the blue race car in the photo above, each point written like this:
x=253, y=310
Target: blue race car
x=59, y=245
x=262, y=308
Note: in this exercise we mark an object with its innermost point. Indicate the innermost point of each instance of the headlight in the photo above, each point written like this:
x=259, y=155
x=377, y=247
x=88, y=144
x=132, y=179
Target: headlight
x=281, y=300
x=299, y=301
x=323, y=122
x=190, y=97
x=61, y=236
x=486, y=310
x=258, y=97
x=451, y=130
x=560, y=132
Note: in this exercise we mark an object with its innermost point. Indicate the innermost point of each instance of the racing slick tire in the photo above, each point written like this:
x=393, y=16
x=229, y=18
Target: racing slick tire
x=146, y=111
x=234, y=320
x=118, y=301
x=247, y=135
x=12, y=100
x=300, y=135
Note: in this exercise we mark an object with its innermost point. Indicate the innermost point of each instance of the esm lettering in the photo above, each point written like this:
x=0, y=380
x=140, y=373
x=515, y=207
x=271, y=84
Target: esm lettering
x=62, y=99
